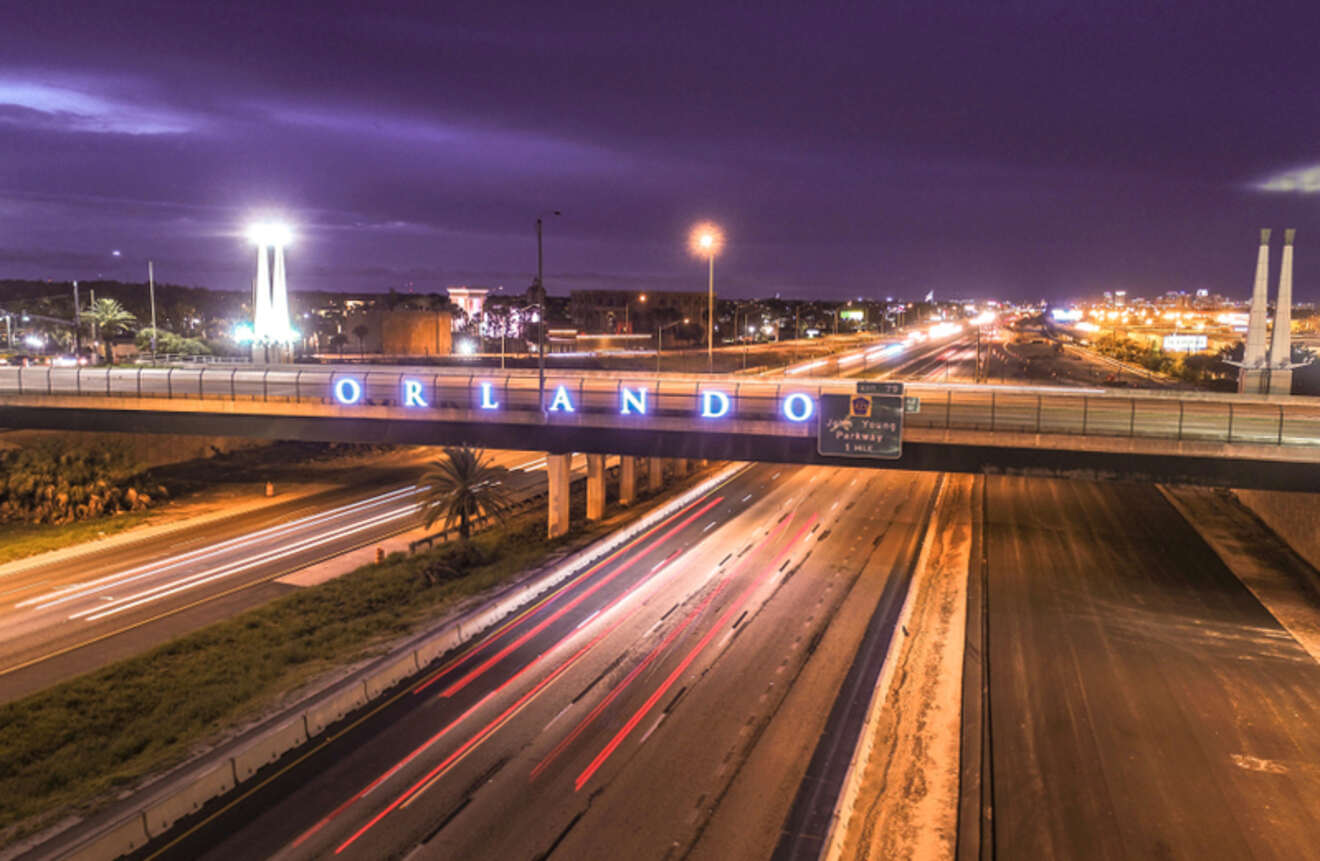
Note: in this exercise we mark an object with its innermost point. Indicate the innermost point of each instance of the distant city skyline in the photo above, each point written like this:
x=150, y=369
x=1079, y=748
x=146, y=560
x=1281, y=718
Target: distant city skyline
x=974, y=151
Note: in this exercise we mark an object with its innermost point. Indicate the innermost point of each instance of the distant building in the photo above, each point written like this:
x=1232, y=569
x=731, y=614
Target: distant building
x=469, y=300
x=400, y=332
x=627, y=311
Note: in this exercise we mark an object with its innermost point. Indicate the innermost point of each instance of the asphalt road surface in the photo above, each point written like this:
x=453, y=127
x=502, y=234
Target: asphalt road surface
x=1143, y=703
x=68, y=617
x=609, y=720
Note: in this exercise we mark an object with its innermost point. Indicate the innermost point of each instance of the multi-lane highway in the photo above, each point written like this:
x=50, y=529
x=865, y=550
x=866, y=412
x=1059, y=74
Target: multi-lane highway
x=68, y=616
x=1143, y=703
x=610, y=719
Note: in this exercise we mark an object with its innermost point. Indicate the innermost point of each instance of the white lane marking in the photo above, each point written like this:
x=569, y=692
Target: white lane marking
x=747, y=497
x=562, y=712
x=710, y=526
x=78, y=590
x=584, y=622
x=653, y=728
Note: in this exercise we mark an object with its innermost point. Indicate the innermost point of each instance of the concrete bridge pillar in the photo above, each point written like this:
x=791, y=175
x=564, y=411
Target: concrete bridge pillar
x=680, y=466
x=627, y=479
x=595, y=486
x=558, y=472
x=655, y=474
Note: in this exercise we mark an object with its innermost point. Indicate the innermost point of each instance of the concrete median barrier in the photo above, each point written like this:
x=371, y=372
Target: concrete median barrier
x=334, y=707
x=435, y=647
x=191, y=797
x=125, y=838
x=391, y=674
x=270, y=747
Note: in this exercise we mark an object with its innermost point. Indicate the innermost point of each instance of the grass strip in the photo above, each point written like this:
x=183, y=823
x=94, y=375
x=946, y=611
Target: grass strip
x=19, y=540
x=72, y=744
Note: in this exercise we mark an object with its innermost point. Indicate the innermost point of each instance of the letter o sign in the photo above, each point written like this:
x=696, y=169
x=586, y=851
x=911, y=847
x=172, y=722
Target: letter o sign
x=798, y=407
x=348, y=390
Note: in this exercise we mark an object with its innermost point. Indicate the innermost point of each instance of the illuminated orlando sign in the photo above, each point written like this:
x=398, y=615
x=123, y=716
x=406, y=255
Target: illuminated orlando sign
x=711, y=403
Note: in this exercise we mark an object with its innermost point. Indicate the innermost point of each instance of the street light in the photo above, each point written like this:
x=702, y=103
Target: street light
x=706, y=241
x=541, y=298
x=659, y=339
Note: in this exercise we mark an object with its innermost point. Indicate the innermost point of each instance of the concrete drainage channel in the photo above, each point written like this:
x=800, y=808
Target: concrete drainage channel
x=159, y=809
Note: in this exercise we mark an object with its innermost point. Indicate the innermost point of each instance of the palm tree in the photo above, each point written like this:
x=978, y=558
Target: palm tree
x=463, y=486
x=361, y=331
x=111, y=318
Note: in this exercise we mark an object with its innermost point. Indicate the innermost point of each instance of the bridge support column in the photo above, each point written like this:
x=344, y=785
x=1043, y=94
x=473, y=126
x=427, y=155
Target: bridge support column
x=627, y=479
x=558, y=472
x=680, y=467
x=595, y=486
x=655, y=474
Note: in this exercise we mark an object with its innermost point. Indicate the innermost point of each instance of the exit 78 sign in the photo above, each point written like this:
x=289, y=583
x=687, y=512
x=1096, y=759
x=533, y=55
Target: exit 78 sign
x=867, y=424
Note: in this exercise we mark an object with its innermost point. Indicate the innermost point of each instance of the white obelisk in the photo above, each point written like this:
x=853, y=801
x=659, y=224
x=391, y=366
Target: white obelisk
x=1252, y=376
x=1281, y=366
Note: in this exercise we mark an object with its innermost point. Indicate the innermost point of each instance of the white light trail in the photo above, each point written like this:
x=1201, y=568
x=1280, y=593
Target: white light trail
x=78, y=590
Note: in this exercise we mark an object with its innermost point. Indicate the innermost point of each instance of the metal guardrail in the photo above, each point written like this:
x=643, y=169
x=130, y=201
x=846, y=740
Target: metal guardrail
x=596, y=399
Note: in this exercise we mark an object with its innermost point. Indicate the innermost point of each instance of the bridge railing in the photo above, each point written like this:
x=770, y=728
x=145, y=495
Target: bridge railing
x=597, y=399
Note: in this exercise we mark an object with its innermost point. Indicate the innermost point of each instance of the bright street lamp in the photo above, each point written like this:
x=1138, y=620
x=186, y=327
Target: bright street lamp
x=706, y=241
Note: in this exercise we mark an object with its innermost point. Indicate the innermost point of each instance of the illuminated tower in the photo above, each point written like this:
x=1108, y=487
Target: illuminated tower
x=1252, y=378
x=1281, y=363
x=270, y=305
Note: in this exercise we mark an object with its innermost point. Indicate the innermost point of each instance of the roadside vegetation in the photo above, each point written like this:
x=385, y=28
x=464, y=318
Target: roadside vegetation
x=56, y=483
x=56, y=493
x=69, y=746
x=1202, y=369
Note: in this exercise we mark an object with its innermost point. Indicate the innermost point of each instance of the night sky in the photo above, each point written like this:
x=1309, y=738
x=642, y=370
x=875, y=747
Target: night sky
x=1013, y=150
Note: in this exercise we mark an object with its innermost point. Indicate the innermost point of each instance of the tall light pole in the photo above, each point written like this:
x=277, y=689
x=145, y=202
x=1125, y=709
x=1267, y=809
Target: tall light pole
x=706, y=241
x=541, y=298
x=151, y=288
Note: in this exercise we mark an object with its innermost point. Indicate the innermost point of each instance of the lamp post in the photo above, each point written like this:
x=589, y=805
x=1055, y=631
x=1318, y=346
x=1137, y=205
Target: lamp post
x=706, y=241
x=659, y=339
x=151, y=289
x=541, y=299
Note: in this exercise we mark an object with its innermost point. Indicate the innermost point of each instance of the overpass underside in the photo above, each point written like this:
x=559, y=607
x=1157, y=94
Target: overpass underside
x=1087, y=456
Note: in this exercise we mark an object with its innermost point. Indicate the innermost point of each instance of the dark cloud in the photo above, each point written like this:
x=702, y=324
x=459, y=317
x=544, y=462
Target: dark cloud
x=1022, y=150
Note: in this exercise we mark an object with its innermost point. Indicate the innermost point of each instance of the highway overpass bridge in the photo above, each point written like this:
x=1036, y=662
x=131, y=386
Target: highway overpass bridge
x=1269, y=442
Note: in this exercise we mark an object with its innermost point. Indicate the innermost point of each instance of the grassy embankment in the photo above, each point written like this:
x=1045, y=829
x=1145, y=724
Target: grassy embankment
x=67, y=747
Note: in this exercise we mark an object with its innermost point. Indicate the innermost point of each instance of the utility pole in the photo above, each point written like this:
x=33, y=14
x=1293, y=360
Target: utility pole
x=541, y=318
x=151, y=288
x=710, y=321
x=77, y=323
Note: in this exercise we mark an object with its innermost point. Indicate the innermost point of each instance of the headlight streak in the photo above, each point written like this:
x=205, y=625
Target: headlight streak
x=78, y=590
x=192, y=581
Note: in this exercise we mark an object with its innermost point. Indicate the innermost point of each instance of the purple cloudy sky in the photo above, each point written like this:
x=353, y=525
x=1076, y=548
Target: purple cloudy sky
x=1020, y=150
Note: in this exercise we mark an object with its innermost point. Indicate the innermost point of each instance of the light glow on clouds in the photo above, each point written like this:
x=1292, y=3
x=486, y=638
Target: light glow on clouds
x=72, y=108
x=1305, y=180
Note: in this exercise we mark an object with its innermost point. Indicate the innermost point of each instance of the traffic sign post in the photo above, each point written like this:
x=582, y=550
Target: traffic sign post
x=867, y=424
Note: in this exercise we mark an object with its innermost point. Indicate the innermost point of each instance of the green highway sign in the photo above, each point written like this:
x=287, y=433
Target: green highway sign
x=874, y=388
x=862, y=425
